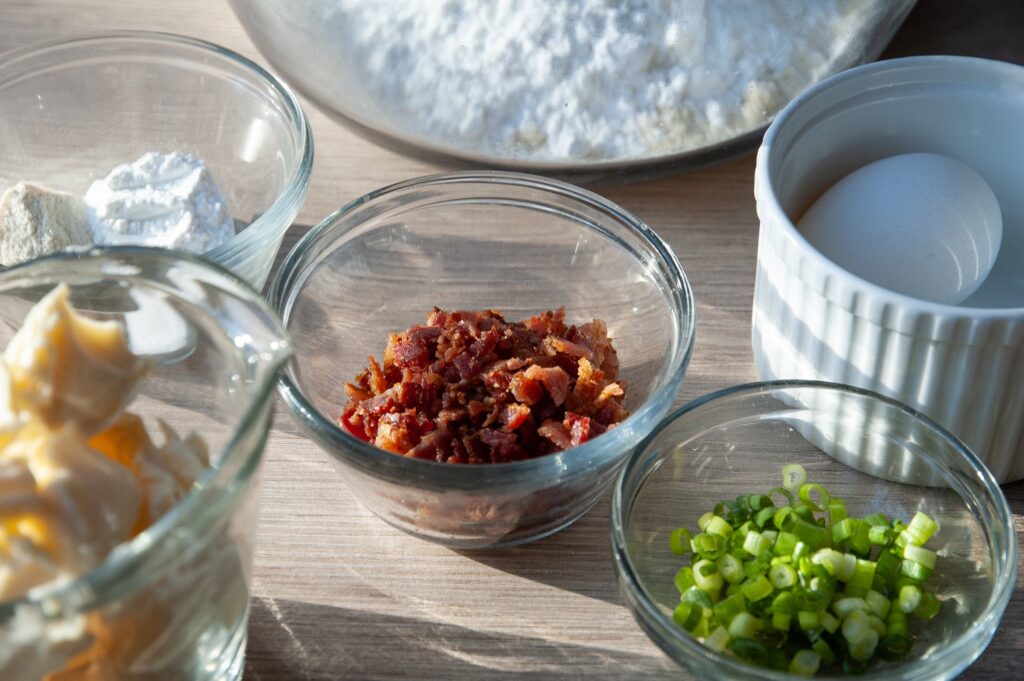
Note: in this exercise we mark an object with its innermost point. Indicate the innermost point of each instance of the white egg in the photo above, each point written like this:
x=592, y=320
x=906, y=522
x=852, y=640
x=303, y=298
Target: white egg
x=924, y=225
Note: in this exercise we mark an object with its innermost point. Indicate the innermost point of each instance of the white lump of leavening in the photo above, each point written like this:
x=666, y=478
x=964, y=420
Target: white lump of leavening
x=37, y=221
x=163, y=200
x=587, y=79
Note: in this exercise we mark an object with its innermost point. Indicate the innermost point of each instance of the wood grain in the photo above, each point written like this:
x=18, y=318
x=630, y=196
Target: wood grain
x=337, y=593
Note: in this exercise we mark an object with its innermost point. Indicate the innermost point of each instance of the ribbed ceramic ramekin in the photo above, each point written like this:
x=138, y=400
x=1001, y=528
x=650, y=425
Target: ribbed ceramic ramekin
x=962, y=365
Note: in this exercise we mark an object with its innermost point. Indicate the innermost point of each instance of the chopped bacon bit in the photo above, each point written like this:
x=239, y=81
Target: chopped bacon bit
x=514, y=415
x=555, y=381
x=356, y=393
x=557, y=433
x=469, y=387
x=553, y=346
x=525, y=389
x=377, y=382
x=581, y=428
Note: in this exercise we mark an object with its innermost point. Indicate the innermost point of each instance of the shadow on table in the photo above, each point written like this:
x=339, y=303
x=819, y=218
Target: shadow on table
x=296, y=641
x=577, y=559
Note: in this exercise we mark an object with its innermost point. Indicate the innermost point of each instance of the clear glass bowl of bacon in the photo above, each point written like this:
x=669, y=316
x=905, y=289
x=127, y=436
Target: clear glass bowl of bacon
x=526, y=335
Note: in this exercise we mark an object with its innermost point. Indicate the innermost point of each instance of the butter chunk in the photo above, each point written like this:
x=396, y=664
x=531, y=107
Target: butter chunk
x=167, y=473
x=66, y=368
x=88, y=503
x=36, y=221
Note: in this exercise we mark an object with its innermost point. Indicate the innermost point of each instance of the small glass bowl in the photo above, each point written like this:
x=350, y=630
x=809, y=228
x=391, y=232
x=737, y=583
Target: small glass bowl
x=72, y=110
x=173, y=602
x=877, y=454
x=517, y=243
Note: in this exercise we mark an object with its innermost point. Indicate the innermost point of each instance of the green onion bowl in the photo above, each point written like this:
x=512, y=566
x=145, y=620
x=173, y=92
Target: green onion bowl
x=794, y=528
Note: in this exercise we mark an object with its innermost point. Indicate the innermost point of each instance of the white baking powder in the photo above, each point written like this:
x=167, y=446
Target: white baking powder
x=164, y=200
x=588, y=79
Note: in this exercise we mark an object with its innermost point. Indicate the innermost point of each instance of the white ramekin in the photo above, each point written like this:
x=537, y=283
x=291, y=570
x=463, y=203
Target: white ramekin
x=962, y=365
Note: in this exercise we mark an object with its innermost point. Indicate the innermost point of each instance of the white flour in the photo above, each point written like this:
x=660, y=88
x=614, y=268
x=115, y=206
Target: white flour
x=164, y=200
x=588, y=79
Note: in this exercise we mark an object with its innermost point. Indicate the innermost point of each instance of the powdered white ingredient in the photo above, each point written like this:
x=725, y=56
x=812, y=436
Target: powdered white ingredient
x=164, y=200
x=587, y=79
x=36, y=221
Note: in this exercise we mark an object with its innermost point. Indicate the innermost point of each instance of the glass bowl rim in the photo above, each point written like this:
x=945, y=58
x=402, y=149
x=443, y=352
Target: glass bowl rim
x=294, y=272
x=295, y=186
x=958, y=650
x=85, y=591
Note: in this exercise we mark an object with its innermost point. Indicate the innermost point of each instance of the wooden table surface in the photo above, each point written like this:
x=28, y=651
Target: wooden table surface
x=339, y=594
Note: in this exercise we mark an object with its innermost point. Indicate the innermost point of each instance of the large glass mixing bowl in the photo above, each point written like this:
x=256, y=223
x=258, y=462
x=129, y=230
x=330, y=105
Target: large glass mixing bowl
x=560, y=87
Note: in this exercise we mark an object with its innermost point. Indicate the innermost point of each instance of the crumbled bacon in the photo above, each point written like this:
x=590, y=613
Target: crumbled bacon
x=469, y=387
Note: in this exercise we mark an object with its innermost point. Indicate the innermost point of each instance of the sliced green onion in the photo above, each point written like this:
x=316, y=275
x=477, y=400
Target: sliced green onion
x=718, y=640
x=728, y=608
x=731, y=568
x=785, y=494
x=877, y=603
x=679, y=541
x=809, y=620
x=863, y=649
x=782, y=576
x=756, y=589
x=909, y=599
x=863, y=576
x=844, y=607
x=781, y=621
x=887, y=565
x=812, y=535
x=697, y=596
x=928, y=608
x=915, y=570
x=755, y=544
x=822, y=648
x=876, y=519
x=860, y=542
x=785, y=602
x=879, y=535
x=684, y=579
x=687, y=615
x=805, y=663
x=842, y=566
x=707, y=577
x=919, y=531
x=897, y=640
x=709, y=546
x=836, y=511
x=842, y=530
x=809, y=490
x=793, y=476
x=919, y=555
x=764, y=516
x=745, y=625
x=828, y=622
x=718, y=526
x=784, y=519
x=765, y=583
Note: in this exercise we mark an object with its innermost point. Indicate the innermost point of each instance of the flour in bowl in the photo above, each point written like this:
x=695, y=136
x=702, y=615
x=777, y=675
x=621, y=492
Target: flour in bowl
x=589, y=79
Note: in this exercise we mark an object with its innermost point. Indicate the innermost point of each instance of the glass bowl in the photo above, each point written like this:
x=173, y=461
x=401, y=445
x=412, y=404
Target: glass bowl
x=877, y=454
x=71, y=111
x=173, y=602
x=687, y=82
x=517, y=243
